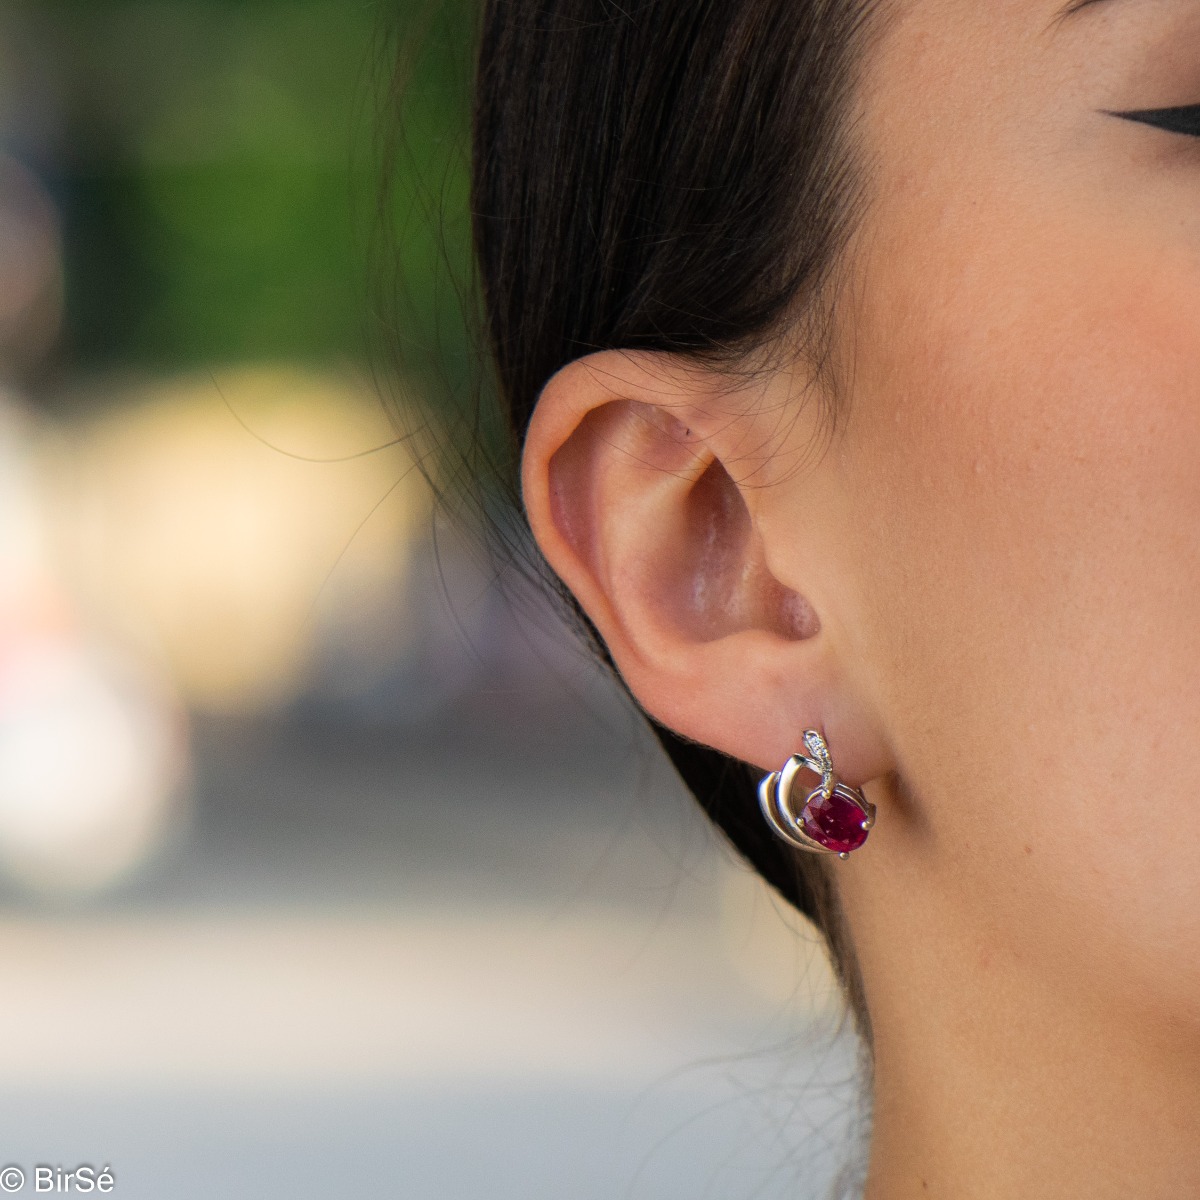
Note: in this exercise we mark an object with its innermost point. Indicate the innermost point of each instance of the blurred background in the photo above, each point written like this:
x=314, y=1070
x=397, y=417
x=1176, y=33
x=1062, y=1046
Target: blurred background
x=326, y=868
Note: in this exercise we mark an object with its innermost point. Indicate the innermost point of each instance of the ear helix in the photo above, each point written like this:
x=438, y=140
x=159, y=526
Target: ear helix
x=832, y=818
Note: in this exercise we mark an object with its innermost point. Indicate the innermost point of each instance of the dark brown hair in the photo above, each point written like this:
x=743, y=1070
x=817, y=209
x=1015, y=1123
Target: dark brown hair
x=678, y=176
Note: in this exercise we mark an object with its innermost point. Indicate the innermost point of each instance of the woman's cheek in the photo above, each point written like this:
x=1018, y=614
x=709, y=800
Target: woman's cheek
x=1026, y=521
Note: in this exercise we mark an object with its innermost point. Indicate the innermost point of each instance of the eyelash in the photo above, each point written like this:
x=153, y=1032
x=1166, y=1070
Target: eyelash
x=1184, y=120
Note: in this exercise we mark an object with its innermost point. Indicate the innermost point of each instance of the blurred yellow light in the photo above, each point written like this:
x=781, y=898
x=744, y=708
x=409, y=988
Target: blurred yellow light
x=195, y=517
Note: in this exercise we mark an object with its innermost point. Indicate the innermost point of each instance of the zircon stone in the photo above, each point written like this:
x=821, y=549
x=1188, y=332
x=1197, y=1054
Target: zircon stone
x=837, y=823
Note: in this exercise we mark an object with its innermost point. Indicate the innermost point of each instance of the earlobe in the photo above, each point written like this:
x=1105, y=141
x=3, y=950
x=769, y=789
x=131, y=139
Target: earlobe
x=627, y=483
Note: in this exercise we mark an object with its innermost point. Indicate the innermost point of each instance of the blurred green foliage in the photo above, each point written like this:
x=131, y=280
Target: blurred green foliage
x=219, y=169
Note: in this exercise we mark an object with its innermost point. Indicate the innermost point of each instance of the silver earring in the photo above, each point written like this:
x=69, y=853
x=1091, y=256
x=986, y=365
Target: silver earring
x=832, y=818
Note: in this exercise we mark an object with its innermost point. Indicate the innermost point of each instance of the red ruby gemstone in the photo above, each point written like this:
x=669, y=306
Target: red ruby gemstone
x=836, y=823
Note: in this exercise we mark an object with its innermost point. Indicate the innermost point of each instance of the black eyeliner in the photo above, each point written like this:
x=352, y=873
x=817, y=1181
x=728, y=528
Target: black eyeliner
x=1185, y=120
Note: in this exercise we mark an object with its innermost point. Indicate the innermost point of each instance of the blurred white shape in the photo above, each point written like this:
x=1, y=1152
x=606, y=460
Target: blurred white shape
x=90, y=767
x=91, y=752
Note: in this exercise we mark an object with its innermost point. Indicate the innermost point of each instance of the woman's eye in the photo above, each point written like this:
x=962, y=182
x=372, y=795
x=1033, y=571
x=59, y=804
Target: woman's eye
x=1185, y=120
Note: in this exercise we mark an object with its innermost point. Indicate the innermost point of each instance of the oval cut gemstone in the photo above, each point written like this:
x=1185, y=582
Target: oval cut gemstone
x=837, y=823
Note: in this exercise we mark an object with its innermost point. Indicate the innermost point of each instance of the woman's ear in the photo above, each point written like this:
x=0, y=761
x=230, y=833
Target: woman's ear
x=642, y=499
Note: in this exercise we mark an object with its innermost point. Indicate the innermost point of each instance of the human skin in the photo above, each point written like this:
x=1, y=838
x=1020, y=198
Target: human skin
x=983, y=585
